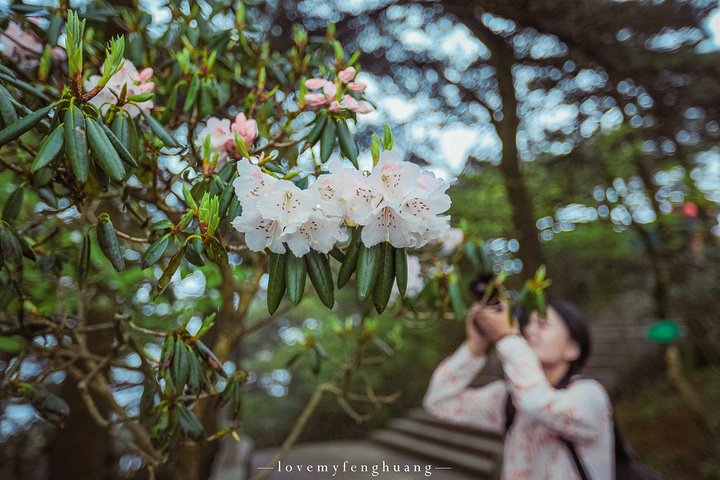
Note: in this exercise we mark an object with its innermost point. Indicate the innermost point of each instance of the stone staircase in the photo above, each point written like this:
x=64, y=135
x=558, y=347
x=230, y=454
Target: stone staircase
x=468, y=450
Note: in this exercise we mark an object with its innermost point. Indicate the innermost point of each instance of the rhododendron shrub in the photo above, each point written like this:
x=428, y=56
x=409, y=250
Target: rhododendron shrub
x=138, y=160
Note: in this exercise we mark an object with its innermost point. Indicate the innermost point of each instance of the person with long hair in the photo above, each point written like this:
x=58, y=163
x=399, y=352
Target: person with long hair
x=556, y=424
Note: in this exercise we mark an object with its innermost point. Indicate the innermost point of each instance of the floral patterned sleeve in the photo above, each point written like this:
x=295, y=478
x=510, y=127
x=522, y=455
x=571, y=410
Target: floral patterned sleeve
x=578, y=413
x=449, y=397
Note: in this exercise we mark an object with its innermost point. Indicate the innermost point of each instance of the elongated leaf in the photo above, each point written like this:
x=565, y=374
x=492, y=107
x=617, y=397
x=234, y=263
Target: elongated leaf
x=10, y=246
x=155, y=251
x=386, y=278
x=159, y=130
x=327, y=140
x=347, y=143
x=7, y=109
x=295, y=276
x=316, y=131
x=318, y=267
x=13, y=205
x=368, y=268
x=10, y=345
x=76, y=142
x=192, y=92
x=276, y=281
x=15, y=130
x=84, y=260
x=107, y=157
x=180, y=370
x=351, y=255
x=50, y=148
x=192, y=253
x=109, y=243
x=119, y=146
x=401, y=270
x=170, y=270
x=27, y=251
x=209, y=357
x=189, y=422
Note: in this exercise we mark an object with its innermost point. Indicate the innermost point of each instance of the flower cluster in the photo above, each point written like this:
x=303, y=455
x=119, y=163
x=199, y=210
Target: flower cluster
x=222, y=135
x=396, y=203
x=137, y=83
x=24, y=47
x=330, y=90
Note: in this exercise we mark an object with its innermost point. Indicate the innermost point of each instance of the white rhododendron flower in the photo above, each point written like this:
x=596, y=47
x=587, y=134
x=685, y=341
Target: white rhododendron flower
x=415, y=280
x=252, y=183
x=450, y=240
x=137, y=83
x=397, y=203
x=319, y=232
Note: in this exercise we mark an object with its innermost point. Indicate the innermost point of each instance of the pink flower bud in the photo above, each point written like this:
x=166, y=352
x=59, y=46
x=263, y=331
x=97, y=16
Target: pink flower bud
x=330, y=90
x=315, y=83
x=347, y=75
x=335, y=106
x=145, y=75
x=355, y=106
x=357, y=87
x=314, y=100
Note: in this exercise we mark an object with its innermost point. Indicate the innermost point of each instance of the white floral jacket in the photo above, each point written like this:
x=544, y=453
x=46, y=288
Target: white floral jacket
x=533, y=450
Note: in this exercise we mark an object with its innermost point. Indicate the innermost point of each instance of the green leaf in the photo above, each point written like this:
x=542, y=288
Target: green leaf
x=209, y=357
x=386, y=277
x=10, y=246
x=664, y=331
x=141, y=97
x=387, y=138
x=159, y=130
x=368, y=269
x=49, y=150
x=318, y=268
x=119, y=146
x=375, y=148
x=12, y=207
x=155, y=251
x=327, y=140
x=76, y=142
x=7, y=110
x=180, y=369
x=192, y=92
x=347, y=143
x=215, y=251
x=351, y=255
x=314, y=135
x=276, y=280
x=107, y=156
x=148, y=397
x=109, y=243
x=15, y=130
x=401, y=270
x=10, y=345
x=189, y=422
x=170, y=270
x=189, y=200
x=295, y=276
x=192, y=253
x=84, y=259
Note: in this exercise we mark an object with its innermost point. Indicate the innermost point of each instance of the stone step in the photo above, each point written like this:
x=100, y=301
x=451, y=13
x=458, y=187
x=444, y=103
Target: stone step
x=447, y=435
x=422, y=416
x=442, y=456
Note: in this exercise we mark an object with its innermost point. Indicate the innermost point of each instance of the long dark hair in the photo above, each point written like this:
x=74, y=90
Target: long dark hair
x=576, y=324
